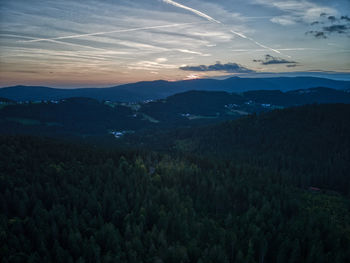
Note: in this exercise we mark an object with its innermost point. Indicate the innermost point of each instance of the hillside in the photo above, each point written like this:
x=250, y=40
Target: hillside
x=5, y=100
x=309, y=145
x=141, y=91
x=89, y=117
x=201, y=104
x=299, y=96
x=73, y=116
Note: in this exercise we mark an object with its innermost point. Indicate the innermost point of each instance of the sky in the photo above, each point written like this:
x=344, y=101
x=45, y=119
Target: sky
x=99, y=43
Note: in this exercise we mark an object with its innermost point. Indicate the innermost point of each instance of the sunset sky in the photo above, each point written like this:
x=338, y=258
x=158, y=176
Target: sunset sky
x=92, y=43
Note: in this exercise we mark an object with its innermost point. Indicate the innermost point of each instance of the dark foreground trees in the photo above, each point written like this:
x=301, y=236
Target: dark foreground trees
x=74, y=203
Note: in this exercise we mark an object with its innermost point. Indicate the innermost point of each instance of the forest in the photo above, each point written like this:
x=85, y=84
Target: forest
x=308, y=144
x=272, y=187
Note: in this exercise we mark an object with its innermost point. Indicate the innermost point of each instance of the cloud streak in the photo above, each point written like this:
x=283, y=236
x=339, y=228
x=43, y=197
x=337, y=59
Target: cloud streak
x=257, y=43
x=280, y=49
x=107, y=32
x=199, y=13
x=33, y=39
x=209, y=18
x=229, y=68
x=157, y=64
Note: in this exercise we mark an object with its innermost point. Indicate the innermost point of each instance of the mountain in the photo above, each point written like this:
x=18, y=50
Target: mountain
x=85, y=116
x=151, y=90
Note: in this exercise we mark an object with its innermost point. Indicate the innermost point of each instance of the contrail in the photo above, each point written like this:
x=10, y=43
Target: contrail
x=192, y=10
x=107, y=32
x=71, y=44
x=33, y=39
x=199, y=13
x=256, y=42
x=280, y=49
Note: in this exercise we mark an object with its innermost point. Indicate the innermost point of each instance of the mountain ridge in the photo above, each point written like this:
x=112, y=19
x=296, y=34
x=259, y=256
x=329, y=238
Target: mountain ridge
x=159, y=89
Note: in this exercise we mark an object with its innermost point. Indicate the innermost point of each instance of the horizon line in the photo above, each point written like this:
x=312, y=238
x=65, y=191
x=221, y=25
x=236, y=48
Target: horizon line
x=332, y=75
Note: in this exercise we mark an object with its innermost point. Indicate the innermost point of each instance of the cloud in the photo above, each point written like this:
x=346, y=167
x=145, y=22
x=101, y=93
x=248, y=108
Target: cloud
x=192, y=76
x=297, y=11
x=271, y=60
x=332, y=18
x=283, y=20
x=229, y=68
x=330, y=27
x=161, y=60
x=191, y=52
x=341, y=29
x=152, y=65
x=346, y=18
x=317, y=34
x=292, y=65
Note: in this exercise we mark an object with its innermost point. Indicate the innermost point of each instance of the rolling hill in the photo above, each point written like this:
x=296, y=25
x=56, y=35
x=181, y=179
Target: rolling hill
x=75, y=116
x=85, y=116
x=298, y=139
x=151, y=90
x=219, y=104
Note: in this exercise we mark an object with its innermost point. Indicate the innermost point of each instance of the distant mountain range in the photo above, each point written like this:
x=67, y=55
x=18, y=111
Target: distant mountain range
x=152, y=90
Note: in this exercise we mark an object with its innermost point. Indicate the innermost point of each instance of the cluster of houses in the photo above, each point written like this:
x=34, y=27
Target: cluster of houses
x=40, y=101
x=250, y=102
x=4, y=102
x=231, y=106
x=119, y=134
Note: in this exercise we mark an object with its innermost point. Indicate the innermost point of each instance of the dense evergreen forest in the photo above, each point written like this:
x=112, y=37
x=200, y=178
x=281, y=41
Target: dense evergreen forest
x=266, y=188
x=309, y=145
